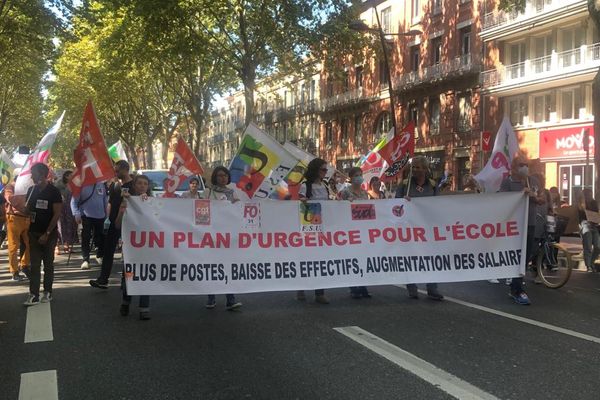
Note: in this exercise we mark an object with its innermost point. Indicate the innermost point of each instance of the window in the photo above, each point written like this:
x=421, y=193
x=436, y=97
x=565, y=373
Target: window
x=386, y=20
x=359, y=76
x=465, y=41
x=571, y=102
x=416, y=9
x=344, y=132
x=346, y=81
x=358, y=133
x=312, y=90
x=383, y=75
x=434, y=116
x=517, y=109
x=437, y=7
x=436, y=51
x=328, y=134
x=572, y=39
x=517, y=56
x=542, y=53
x=413, y=115
x=543, y=105
x=303, y=94
x=414, y=58
x=464, y=113
x=383, y=125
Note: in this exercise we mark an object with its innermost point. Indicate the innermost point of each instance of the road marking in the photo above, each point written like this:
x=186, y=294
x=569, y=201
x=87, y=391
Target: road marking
x=539, y=324
x=449, y=383
x=41, y=385
x=38, y=327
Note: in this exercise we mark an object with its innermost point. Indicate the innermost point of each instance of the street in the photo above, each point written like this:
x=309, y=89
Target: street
x=476, y=344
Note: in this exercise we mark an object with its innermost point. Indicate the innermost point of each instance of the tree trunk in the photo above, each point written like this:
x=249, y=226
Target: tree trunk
x=249, y=80
x=149, y=154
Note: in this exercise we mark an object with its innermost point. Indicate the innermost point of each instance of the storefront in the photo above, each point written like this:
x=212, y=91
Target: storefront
x=563, y=154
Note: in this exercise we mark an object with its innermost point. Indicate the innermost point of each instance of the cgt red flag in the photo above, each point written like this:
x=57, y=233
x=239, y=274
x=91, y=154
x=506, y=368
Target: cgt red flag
x=93, y=164
x=398, y=151
x=184, y=164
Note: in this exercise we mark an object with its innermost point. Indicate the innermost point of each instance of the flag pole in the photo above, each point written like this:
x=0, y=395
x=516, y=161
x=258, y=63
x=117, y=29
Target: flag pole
x=409, y=178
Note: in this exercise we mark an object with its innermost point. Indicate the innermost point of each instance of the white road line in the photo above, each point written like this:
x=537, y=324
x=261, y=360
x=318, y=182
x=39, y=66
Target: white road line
x=38, y=327
x=449, y=383
x=539, y=324
x=41, y=385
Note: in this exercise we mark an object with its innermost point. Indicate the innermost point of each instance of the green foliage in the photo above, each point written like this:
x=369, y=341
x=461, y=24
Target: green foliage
x=512, y=5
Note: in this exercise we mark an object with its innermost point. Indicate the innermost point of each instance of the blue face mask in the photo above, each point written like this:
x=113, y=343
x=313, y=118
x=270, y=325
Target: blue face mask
x=357, y=180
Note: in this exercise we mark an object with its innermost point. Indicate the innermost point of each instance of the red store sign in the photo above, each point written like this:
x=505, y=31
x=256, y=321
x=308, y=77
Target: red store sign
x=565, y=143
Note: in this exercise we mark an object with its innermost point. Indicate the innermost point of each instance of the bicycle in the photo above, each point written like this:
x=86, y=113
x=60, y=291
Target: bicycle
x=553, y=262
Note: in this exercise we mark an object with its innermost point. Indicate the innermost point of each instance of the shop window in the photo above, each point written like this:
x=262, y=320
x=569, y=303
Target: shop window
x=434, y=116
x=571, y=102
x=464, y=113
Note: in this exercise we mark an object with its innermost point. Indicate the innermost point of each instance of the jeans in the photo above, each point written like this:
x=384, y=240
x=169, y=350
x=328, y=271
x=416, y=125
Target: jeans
x=110, y=246
x=89, y=226
x=591, y=243
x=16, y=229
x=41, y=253
x=230, y=298
x=144, y=304
x=516, y=285
x=431, y=287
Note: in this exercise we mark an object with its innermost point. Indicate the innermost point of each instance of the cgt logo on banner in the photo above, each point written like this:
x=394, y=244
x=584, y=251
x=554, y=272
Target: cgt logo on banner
x=201, y=247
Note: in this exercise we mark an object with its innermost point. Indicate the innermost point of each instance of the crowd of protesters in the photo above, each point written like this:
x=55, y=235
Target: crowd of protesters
x=48, y=215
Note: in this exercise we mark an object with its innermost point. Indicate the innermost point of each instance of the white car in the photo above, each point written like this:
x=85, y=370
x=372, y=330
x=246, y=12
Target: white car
x=157, y=177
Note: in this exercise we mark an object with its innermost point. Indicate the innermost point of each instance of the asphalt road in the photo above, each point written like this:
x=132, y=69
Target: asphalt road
x=275, y=347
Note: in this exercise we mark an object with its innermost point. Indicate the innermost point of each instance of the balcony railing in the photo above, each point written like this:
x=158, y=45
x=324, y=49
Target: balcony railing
x=565, y=62
x=346, y=98
x=533, y=8
x=455, y=67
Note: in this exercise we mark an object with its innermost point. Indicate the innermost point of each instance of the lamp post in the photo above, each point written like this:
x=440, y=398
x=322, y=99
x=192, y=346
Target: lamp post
x=360, y=26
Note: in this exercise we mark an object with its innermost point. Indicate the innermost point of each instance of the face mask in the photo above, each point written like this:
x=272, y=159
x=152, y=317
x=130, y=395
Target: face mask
x=524, y=170
x=357, y=180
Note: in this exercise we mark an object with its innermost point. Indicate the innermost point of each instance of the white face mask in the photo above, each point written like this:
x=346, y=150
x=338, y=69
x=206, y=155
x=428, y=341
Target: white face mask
x=524, y=170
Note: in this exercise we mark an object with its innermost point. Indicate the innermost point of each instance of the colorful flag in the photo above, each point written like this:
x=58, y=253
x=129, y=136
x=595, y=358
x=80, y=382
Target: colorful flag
x=39, y=155
x=184, y=165
x=398, y=151
x=92, y=162
x=498, y=166
x=260, y=163
x=7, y=169
x=289, y=187
x=117, y=152
x=372, y=164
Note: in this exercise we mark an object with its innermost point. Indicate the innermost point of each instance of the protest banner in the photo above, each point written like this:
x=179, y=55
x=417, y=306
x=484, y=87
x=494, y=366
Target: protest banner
x=39, y=155
x=260, y=163
x=92, y=162
x=184, y=165
x=180, y=246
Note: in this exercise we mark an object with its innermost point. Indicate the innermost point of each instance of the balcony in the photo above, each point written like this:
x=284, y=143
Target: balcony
x=345, y=99
x=570, y=66
x=454, y=68
x=497, y=24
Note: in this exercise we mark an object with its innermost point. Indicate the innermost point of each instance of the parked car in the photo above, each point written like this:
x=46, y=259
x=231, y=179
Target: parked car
x=157, y=177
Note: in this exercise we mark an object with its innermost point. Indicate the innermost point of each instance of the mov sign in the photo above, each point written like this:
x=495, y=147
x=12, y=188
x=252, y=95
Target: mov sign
x=566, y=143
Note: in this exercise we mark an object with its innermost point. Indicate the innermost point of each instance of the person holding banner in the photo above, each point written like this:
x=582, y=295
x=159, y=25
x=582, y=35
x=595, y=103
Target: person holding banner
x=220, y=178
x=115, y=196
x=419, y=184
x=351, y=193
x=315, y=188
x=520, y=181
x=588, y=229
x=375, y=192
x=140, y=187
x=44, y=204
x=193, y=193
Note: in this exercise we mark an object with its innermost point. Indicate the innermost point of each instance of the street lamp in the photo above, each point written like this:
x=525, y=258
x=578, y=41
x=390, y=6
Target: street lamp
x=361, y=26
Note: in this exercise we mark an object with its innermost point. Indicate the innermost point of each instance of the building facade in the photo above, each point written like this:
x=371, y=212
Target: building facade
x=541, y=64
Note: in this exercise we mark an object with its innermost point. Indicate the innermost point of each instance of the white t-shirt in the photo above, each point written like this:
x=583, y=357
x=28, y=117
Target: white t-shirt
x=319, y=191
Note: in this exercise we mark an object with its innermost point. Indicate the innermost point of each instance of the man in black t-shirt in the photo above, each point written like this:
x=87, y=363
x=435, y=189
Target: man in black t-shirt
x=44, y=204
x=115, y=196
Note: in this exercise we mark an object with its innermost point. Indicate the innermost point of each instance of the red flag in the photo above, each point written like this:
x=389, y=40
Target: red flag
x=92, y=162
x=184, y=165
x=398, y=151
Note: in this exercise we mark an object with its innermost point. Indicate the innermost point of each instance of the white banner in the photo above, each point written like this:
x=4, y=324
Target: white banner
x=186, y=246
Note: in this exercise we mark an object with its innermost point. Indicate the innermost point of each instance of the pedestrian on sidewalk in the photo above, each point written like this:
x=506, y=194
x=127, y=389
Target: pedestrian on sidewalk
x=89, y=210
x=17, y=228
x=220, y=178
x=44, y=204
x=113, y=234
x=588, y=229
x=140, y=187
x=419, y=184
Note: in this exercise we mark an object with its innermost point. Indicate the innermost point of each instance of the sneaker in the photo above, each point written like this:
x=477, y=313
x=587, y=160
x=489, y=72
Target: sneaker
x=32, y=300
x=85, y=265
x=210, y=304
x=233, y=306
x=413, y=292
x=300, y=296
x=493, y=281
x=124, y=310
x=521, y=298
x=321, y=299
x=27, y=271
x=144, y=315
x=537, y=280
x=17, y=277
x=435, y=295
x=98, y=259
x=508, y=281
x=46, y=297
x=95, y=283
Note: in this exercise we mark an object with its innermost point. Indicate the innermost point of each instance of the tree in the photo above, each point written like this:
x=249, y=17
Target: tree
x=594, y=12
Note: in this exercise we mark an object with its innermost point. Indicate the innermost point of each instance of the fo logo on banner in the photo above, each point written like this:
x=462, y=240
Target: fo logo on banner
x=311, y=219
x=398, y=211
x=252, y=215
x=362, y=211
x=202, y=212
